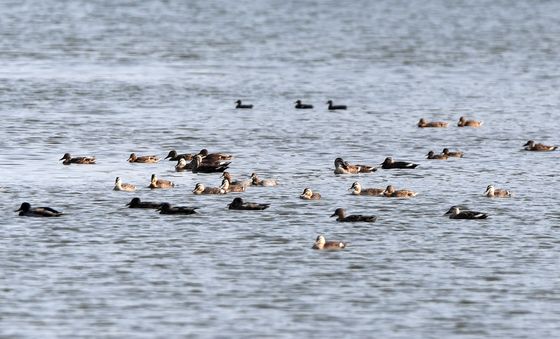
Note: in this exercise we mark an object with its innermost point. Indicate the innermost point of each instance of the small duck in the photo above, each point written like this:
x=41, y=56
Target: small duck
x=239, y=105
x=389, y=163
x=183, y=165
x=390, y=192
x=343, y=167
x=145, y=159
x=256, y=181
x=227, y=175
x=166, y=208
x=160, y=183
x=358, y=190
x=457, y=154
x=335, y=107
x=455, y=213
x=468, y=123
x=77, y=160
x=322, y=244
x=433, y=156
x=137, y=203
x=226, y=186
x=174, y=156
x=532, y=146
x=198, y=166
x=340, y=213
x=25, y=210
x=423, y=124
x=310, y=195
x=201, y=189
x=239, y=204
x=299, y=105
x=492, y=192
x=214, y=157
x=120, y=186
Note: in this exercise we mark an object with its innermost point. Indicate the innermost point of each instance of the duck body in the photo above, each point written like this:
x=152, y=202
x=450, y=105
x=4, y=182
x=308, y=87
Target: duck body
x=492, y=192
x=340, y=213
x=25, y=210
x=434, y=124
x=201, y=189
x=77, y=160
x=322, y=244
x=468, y=123
x=137, y=203
x=455, y=213
x=431, y=155
x=358, y=190
x=160, y=183
x=390, y=192
x=343, y=167
x=335, y=107
x=198, y=166
x=239, y=204
x=457, y=154
x=174, y=156
x=389, y=163
x=120, y=186
x=256, y=181
x=213, y=157
x=308, y=194
x=532, y=146
x=240, y=105
x=300, y=105
x=245, y=183
x=145, y=159
x=166, y=208
x=226, y=186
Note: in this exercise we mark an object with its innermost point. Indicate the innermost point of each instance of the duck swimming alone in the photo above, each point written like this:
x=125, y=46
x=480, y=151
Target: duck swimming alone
x=335, y=107
x=137, y=203
x=358, y=190
x=145, y=159
x=322, y=244
x=390, y=192
x=340, y=213
x=468, y=123
x=492, y=192
x=455, y=213
x=239, y=204
x=77, y=160
x=457, y=154
x=299, y=105
x=308, y=194
x=160, y=183
x=423, y=124
x=25, y=210
x=256, y=181
x=389, y=163
x=120, y=186
x=343, y=167
x=166, y=208
x=433, y=156
x=201, y=189
x=174, y=156
x=532, y=146
x=239, y=105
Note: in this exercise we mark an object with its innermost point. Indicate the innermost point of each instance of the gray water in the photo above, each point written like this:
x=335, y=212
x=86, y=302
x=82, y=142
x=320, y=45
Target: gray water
x=108, y=78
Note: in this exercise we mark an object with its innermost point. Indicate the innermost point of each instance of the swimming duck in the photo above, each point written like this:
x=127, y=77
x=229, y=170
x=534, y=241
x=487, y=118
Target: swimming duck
x=214, y=157
x=226, y=186
x=256, y=181
x=340, y=213
x=389, y=163
x=299, y=105
x=183, y=165
x=166, y=208
x=145, y=159
x=160, y=183
x=239, y=204
x=77, y=160
x=492, y=192
x=455, y=213
x=390, y=192
x=310, y=195
x=358, y=190
x=532, y=146
x=433, y=156
x=423, y=123
x=201, y=189
x=137, y=203
x=120, y=186
x=457, y=154
x=242, y=106
x=174, y=156
x=468, y=123
x=25, y=210
x=335, y=107
x=227, y=175
x=322, y=244
x=198, y=166
x=343, y=167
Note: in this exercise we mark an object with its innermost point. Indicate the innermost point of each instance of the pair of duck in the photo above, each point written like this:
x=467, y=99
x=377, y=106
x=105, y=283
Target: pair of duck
x=331, y=107
x=343, y=167
x=389, y=191
x=423, y=123
x=444, y=155
x=166, y=208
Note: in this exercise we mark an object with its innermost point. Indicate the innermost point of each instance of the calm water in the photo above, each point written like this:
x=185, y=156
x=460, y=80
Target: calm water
x=105, y=79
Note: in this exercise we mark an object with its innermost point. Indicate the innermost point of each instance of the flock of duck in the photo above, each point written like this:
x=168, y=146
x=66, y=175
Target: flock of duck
x=205, y=162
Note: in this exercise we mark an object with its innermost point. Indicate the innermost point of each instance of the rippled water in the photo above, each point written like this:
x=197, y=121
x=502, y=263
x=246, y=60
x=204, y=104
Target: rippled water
x=107, y=79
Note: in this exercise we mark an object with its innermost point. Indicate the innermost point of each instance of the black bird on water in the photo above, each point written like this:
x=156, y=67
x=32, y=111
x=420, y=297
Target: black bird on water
x=335, y=107
x=299, y=105
x=241, y=105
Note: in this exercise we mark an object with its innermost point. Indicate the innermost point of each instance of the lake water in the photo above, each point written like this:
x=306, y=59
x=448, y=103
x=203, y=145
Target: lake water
x=108, y=78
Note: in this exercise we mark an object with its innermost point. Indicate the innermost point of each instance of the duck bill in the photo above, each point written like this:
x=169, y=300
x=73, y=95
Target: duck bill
x=18, y=210
x=333, y=215
x=527, y=144
x=487, y=192
x=447, y=213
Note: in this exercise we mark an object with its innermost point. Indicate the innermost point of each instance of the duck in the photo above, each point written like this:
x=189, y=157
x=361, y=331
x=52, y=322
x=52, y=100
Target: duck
x=214, y=157
x=256, y=181
x=183, y=165
x=227, y=175
x=390, y=192
x=226, y=186
x=25, y=210
x=457, y=154
x=322, y=244
x=137, y=203
x=201, y=189
x=120, y=186
x=343, y=167
x=335, y=107
x=239, y=204
x=299, y=105
x=174, y=156
x=340, y=213
x=166, y=208
x=160, y=183
x=422, y=123
x=492, y=192
x=144, y=159
x=198, y=166
x=242, y=106
x=455, y=213
x=389, y=163
x=532, y=146
x=77, y=160
x=468, y=123
x=308, y=194
x=433, y=156
x=358, y=190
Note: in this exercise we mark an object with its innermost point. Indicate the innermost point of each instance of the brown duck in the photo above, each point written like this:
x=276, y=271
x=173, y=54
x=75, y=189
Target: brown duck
x=423, y=123
x=77, y=160
x=145, y=159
